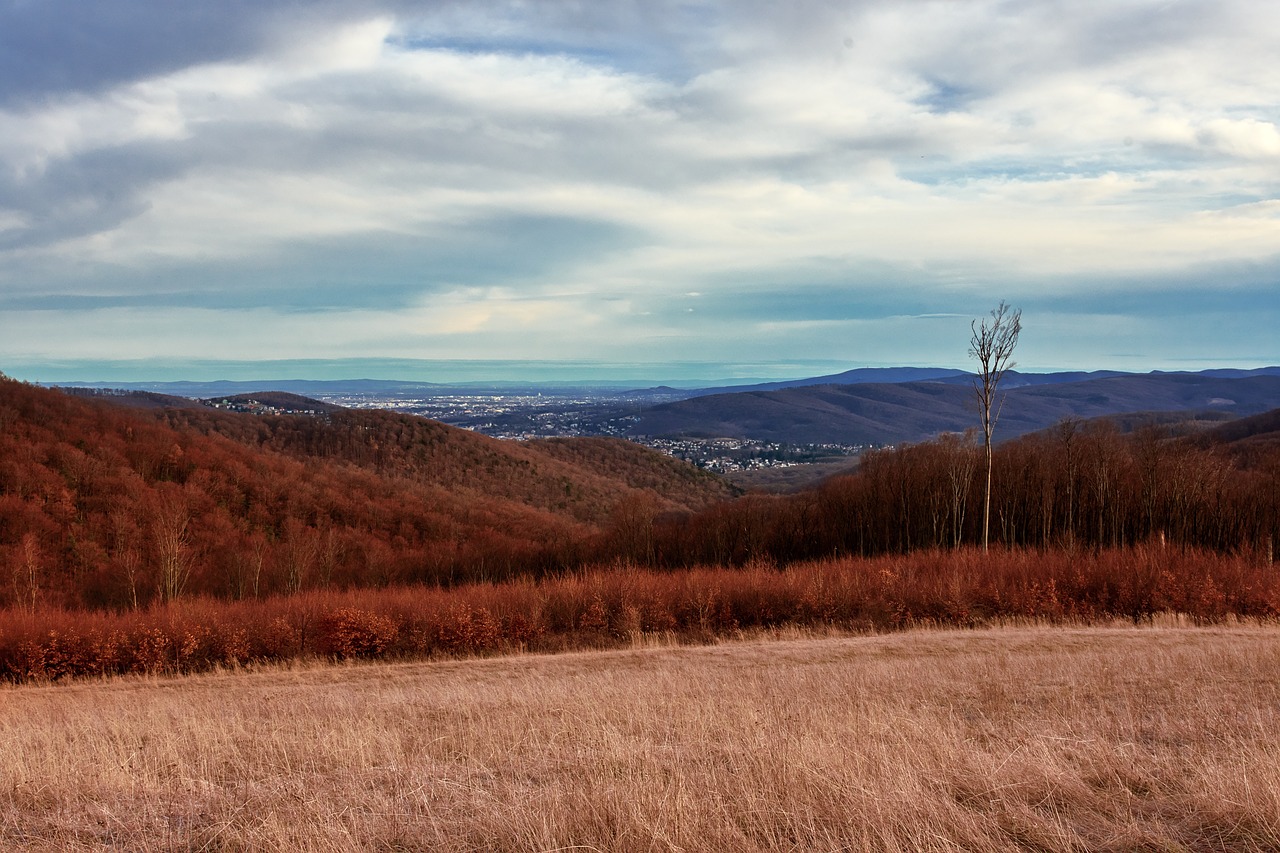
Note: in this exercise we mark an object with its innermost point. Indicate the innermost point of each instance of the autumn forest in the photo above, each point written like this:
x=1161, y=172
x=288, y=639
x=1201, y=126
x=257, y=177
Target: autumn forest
x=179, y=538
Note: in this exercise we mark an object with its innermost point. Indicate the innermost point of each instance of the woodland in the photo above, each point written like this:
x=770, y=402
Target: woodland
x=179, y=539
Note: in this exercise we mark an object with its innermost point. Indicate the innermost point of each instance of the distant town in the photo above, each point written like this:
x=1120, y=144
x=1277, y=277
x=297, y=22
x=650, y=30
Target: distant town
x=521, y=417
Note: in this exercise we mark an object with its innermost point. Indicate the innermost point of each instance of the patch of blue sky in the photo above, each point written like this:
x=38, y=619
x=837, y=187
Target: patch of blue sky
x=944, y=97
x=620, y=56
x=934, y=170
x=512, y=46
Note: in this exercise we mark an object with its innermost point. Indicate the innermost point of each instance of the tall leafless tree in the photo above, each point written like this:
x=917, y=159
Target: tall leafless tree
x=172, y=543
x=961, y=458
x=992, y=345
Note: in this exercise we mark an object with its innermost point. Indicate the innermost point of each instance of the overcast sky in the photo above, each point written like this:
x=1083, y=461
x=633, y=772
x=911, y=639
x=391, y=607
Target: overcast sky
x=737, y=188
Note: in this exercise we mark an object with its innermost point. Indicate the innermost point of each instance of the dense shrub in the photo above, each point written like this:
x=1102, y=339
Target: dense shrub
x=615, y=603
x=353, y=633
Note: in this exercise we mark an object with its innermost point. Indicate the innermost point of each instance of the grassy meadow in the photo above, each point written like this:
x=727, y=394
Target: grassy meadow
x=1052, y=738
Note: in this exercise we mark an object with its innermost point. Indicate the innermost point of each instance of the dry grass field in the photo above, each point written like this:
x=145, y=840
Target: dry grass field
x=1022, y=738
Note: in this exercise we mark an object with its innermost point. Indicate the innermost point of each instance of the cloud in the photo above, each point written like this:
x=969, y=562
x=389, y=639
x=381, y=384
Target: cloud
x=555, y=179
x=55, y=49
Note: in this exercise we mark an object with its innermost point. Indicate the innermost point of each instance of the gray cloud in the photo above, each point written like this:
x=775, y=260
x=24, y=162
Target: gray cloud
x=388, y=271
x=55, y=47
x=92, y=193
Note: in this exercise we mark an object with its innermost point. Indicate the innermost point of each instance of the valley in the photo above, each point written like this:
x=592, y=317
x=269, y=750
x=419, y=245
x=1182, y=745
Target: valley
x=818, y=425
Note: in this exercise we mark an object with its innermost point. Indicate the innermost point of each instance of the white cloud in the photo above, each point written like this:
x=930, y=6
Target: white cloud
x=964, y=143
x=1250, y=139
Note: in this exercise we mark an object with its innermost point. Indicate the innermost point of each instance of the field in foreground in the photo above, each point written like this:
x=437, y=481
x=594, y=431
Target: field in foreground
x=1054, y=738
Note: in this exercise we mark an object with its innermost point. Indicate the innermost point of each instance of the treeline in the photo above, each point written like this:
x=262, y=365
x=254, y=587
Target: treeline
x=612, y=606
x=1077, y=486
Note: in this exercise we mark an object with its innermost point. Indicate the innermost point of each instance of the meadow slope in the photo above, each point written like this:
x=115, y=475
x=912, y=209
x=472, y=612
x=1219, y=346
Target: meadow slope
x=1052, y=739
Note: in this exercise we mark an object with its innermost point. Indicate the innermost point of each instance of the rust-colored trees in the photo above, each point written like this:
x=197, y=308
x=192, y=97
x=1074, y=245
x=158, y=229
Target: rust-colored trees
x=110, y=509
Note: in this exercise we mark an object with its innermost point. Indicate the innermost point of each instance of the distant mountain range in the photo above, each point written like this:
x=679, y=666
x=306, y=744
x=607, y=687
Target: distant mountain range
x=319, y=388
x=868, y=406
x=879, y=413
x=383, y=388
x=859, y=376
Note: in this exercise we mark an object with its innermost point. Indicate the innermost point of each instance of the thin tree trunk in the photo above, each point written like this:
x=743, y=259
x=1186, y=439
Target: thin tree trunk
x=986, y=504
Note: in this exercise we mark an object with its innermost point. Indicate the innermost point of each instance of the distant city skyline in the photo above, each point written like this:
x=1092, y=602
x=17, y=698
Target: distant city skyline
x=676, y=191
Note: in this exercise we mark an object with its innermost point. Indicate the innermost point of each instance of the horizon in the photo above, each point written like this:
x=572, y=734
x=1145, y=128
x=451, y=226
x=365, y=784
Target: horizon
x=489, y=373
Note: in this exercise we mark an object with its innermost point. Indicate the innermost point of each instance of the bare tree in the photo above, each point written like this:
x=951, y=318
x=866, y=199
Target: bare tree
x=27, y=570
x=172, y=543
x=961, y=459
x=992, y=345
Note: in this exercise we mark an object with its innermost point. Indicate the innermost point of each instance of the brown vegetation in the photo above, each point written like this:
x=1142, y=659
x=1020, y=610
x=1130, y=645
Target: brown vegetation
x=580, y=477
x=613, y=605
x=159, y=543
x=1075, y=486
x=198, y=538
x=104, y=507
x=1007, y=740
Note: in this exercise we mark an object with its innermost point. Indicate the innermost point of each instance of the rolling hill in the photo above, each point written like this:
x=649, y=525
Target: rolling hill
x=880, y=414
x=857, y=376
x=105, y=505
x=579, y=478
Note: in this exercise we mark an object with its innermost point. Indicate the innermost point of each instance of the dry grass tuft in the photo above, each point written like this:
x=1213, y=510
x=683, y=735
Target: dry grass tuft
x=1031, y=738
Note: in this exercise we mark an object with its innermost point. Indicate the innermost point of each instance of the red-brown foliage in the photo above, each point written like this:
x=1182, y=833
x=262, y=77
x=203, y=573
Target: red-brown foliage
x=172, y=541
x=1079, y=486
x=613, y=603
x=102, y=506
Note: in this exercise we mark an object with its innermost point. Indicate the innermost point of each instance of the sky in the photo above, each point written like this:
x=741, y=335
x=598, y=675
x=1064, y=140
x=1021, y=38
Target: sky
x=675, y=189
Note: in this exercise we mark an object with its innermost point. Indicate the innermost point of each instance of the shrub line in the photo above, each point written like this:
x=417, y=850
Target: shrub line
x=607, y=606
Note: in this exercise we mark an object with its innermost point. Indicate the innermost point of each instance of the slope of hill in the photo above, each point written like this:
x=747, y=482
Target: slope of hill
x=133, y=399
x=1017, y=379
x=1239, y=373
x=582, y=479
x=282, y=402
x=858, y=376
x=880, y=414
x=104, y=505
x=1012, y=379
x=679, y=484
x=1251, y=440
x=1261, y=426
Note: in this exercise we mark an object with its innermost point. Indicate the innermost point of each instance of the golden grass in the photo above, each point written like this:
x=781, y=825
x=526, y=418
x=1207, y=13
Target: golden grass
x=1021, y=738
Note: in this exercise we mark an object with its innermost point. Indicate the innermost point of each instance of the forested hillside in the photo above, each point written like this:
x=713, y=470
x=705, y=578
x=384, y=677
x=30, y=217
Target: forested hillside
x=581, y=478
x=358, y=533
x=1076, y=485
x=102, y=505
